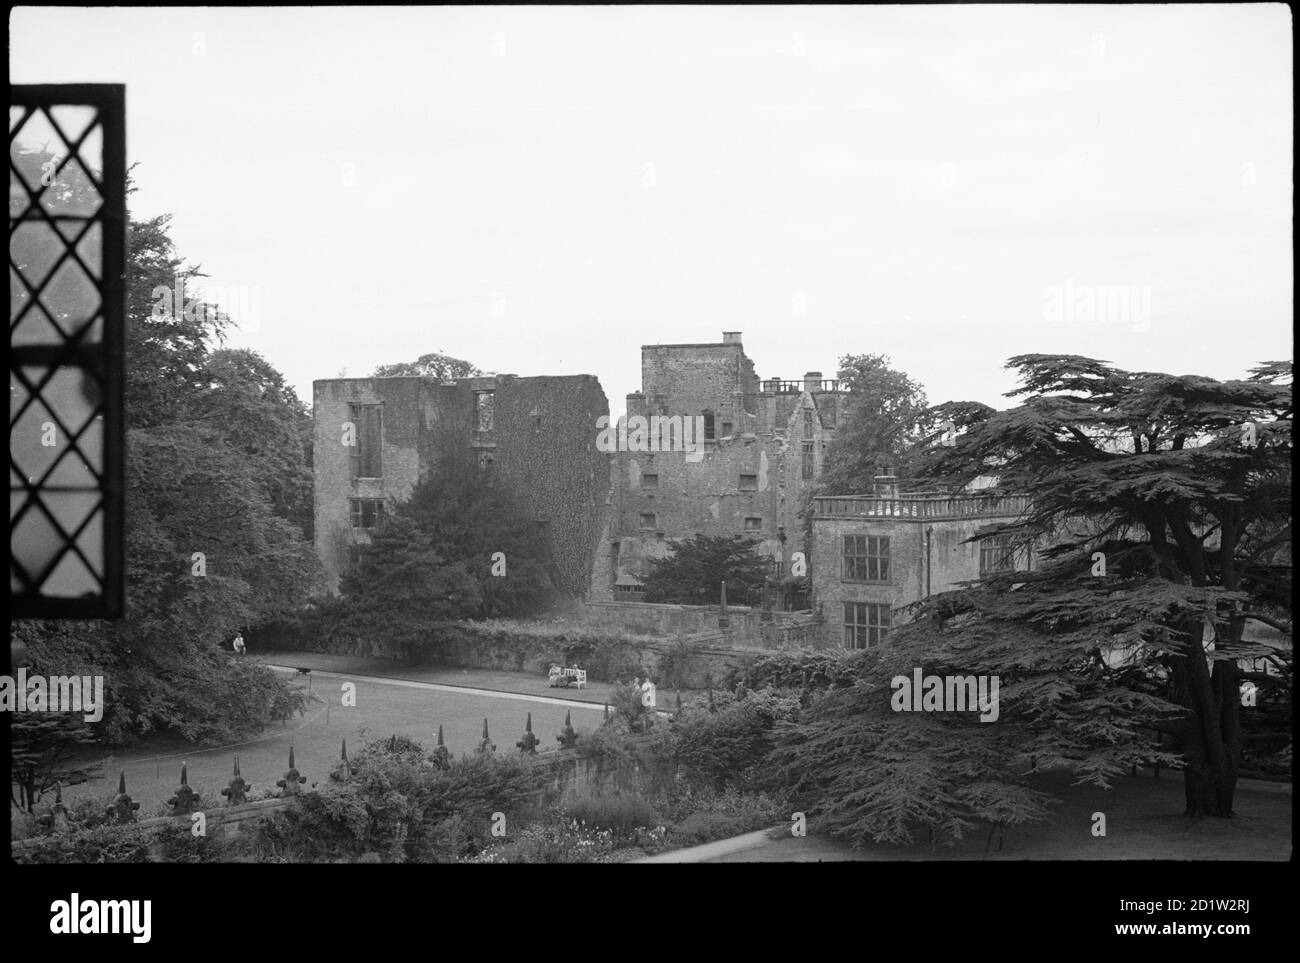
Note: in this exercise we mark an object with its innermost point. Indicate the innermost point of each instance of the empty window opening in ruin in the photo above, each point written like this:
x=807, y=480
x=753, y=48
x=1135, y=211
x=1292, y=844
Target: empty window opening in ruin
x=484, y=403
x=368, y=452
x=367, y=513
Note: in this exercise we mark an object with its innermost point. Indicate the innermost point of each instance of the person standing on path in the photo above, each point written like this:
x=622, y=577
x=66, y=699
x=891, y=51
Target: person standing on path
x=239, y=643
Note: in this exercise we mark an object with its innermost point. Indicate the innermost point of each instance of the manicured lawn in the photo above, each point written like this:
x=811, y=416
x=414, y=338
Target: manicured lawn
x=152, y=773
x=532, y=683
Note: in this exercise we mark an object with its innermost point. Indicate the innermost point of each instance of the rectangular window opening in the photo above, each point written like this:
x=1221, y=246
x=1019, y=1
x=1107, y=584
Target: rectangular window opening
x=368, y=451
x=866, y=558
x=367, y=513
x=865, y=624
x=484, y=405
x=997, y=554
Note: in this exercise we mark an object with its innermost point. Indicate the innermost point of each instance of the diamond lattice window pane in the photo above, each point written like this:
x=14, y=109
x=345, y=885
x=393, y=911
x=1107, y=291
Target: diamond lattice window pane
x=67, y=225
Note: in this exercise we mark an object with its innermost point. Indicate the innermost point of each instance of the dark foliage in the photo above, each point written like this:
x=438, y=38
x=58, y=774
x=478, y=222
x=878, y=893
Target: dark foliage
x=694, y=573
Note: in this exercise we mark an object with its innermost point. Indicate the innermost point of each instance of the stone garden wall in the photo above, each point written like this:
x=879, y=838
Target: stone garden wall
x=521, y=646
x=677, y=645
x=743, y=627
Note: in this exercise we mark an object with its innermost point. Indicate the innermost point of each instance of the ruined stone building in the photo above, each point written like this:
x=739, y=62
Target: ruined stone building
x=538, y=434
x=762, y=449
x=749, y=471
x=871, y=555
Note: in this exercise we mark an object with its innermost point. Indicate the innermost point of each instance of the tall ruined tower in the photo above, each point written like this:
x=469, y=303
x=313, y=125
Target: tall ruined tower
x=763, y=446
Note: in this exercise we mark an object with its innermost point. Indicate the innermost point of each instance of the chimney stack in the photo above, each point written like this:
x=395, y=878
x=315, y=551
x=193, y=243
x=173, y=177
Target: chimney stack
x=812, y=381
x=731, y=337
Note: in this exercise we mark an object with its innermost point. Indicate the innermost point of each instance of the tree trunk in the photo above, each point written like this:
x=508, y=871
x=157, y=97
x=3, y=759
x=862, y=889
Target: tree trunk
x=1210, y=779
x=1199, y=785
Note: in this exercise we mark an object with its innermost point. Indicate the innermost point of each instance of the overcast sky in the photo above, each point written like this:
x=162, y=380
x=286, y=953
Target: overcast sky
x=543, y=190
